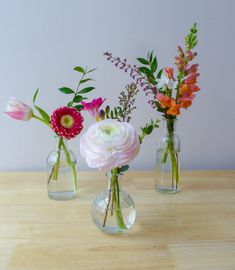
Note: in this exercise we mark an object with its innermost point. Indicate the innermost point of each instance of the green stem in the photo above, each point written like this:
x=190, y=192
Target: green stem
x=165, y=154
x=174, y=168
x=180, y=76
x=73, y=167
x=116, y=199
x=41, y=120
x=57, y=164
x=170, y=148
x=79, y=83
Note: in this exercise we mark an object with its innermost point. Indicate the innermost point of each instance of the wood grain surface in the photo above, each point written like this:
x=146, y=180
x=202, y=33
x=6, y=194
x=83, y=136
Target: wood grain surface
x=194, y=229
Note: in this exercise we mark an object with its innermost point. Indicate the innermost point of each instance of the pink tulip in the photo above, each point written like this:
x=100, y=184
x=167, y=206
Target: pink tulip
x=18, y=110
x=93, y=107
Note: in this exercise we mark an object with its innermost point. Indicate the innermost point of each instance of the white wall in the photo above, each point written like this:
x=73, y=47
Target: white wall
x=41, y=42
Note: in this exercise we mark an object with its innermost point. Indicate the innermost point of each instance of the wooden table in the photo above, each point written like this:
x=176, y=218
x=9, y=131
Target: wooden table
x=194, y=229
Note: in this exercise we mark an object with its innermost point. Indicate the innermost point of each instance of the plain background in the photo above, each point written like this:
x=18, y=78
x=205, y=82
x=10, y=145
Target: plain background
x=41, y=42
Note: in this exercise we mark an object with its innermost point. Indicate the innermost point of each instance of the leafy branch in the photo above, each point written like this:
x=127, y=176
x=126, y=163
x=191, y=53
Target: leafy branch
x=149, y=68
x=148, y=129
x=78, y=94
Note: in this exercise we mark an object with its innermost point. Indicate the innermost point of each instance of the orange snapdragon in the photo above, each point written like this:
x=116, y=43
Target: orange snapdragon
x=164, y=100
x=174, y=108
x=169, y=73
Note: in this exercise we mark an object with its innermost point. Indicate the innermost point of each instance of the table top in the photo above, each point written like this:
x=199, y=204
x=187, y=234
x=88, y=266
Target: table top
x=194, y=229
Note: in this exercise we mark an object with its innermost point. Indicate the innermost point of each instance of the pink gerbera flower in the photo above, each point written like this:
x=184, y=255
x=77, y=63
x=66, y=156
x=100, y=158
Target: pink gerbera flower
x=93, y=107
x=67, y=122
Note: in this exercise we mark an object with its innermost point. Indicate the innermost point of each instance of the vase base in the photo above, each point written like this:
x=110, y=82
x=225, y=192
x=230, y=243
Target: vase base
x=109, y=229
x=167, y=190
x=62, y=195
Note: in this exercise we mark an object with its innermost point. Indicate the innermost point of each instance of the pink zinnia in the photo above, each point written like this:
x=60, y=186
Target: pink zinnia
x=93, y=106
x=67, y=122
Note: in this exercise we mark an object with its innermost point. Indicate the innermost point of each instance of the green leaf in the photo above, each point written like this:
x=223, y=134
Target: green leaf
x=145, y=70
x=159, y=107
x=153, y=65
x=43, y=114
x=111, y=114
x=66, y=90
x=79, y=69
x=78, y=107
x=159, y=74
x=86, y=90
x=150, y=56
x=78, y=98
x=143, y=61
x=86, y=80
x=89, y=71
x=149, y=129
x=152, y=80
x=124, y=168
x=35, y=96
x=107, y=110
x=70, y=104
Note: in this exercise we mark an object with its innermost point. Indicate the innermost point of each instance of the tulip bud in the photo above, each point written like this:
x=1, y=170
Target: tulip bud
x=18, y=110
x=101, y=114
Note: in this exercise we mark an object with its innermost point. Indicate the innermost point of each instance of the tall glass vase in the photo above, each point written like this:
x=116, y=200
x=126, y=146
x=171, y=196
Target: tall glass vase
x=113, y=211
x=61, y=172
x=167, y=174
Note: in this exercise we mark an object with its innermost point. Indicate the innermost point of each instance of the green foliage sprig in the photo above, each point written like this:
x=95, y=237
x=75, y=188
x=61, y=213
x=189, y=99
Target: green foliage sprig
x=78, y=94
x=149, y=68
x=148, y=129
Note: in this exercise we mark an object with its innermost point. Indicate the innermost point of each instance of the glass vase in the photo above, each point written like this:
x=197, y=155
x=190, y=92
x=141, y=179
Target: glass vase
x=61, y=172
x=113, y=211
x=167, y=172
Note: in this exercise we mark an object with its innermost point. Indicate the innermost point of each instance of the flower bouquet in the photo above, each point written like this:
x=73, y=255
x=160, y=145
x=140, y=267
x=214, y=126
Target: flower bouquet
x=66, y=122
x=109, y=145
x=170, y=94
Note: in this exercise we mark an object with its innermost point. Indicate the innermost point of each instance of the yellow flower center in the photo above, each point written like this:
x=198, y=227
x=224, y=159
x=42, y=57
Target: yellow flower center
x=67, y=121
x=107, y=130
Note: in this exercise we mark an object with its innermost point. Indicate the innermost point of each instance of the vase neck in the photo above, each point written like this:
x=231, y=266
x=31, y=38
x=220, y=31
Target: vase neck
x=59, y=142
x=113, y=177
x=170, y=126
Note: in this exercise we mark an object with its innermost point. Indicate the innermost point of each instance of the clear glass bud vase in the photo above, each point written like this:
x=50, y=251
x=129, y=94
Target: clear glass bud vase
x=61, y=172
x=113, y=211
x=167, y=165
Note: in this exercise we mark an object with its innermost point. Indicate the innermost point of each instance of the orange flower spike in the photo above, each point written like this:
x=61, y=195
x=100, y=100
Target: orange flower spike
x=164, y=100
x=174, y=109
x=192, y=78
x=169, y=73
x=192, y=69
x=180, y=51
x=194, y=88
x=184, y=89
x=186, y=103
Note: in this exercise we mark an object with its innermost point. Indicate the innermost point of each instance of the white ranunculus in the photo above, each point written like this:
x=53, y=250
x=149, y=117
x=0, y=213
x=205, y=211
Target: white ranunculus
x=109, y=144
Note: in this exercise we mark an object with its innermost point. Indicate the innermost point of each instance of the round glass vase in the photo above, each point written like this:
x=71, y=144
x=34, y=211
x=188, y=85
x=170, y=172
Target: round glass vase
x=167, y=173
x=113, y=211
x=61, y=172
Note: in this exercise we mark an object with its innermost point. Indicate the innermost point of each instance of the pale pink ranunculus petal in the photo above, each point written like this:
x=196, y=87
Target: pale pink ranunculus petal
x=108, y=144
x=18, y=110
